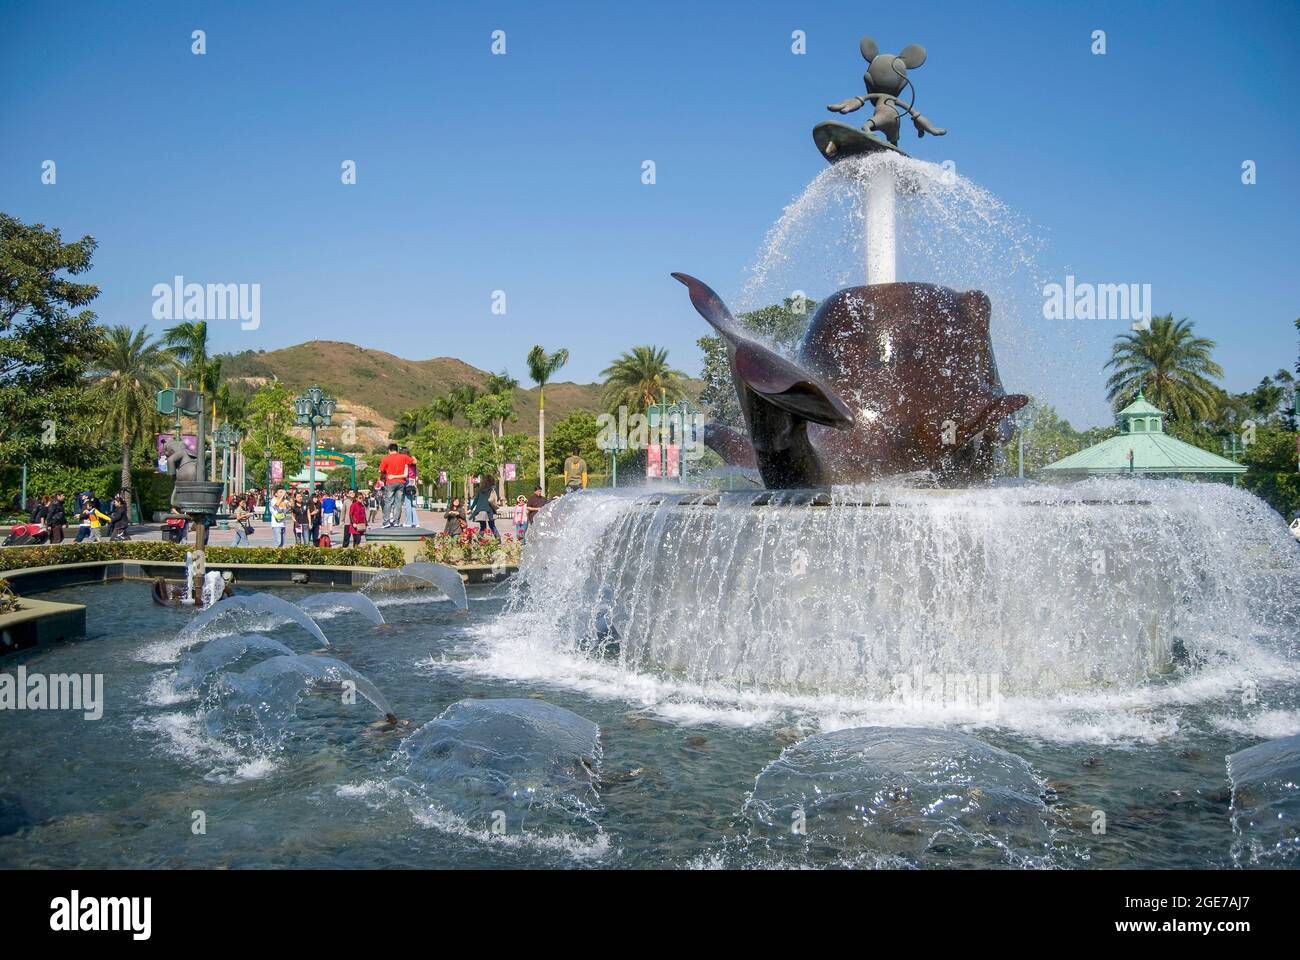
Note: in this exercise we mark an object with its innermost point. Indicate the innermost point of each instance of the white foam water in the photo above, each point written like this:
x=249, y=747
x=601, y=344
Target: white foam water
x=1095, y=611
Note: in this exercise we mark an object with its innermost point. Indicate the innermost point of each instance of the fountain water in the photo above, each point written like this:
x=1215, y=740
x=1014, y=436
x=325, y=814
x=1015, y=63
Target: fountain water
x=336, y=601
x=245, y=608
x=446, y=579
x=884, y=592
x=195, y=667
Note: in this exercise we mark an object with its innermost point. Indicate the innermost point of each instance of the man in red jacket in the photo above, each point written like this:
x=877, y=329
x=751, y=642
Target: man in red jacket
x=392, y=474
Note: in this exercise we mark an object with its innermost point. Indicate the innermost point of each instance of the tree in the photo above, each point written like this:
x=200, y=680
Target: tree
x=579, y=430
x=1169, y=365
x=1272, y=475
x=270, y=415
x=486, y=413
x=1047, y=438
x=44, y=346
x=640, y=378
x=541, y=367
x=188, y=343
x=130, y=369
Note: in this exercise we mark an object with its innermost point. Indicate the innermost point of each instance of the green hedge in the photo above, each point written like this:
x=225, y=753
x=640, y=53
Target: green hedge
x=17, y=558
x=152, y=489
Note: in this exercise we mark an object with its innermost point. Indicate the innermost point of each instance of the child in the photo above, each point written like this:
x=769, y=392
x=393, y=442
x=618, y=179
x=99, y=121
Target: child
x=521, y=517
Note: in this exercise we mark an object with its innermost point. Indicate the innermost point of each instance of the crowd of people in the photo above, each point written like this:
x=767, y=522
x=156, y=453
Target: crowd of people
x=51, y=516
x=313, y=518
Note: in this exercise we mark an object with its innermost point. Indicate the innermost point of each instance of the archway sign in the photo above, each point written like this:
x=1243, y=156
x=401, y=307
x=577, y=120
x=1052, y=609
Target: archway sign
x=328, y=459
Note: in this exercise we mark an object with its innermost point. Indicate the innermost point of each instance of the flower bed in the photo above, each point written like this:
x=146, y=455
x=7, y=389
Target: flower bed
x=472, y=550
x=17, y=558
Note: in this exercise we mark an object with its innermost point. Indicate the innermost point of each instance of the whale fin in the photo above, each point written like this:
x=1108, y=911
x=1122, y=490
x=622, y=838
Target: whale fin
x=772, y=377
x=731, y=445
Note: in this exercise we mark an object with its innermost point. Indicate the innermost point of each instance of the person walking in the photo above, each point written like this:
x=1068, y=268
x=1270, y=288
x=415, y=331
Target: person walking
x=521, y=517
x=118, y=519
x=95, y=520
x=279, y=515
x=313, y=520
x=356, y=521
x=535, y=504
x=392, y=474
x=84, y=502
x=40, y=512
x=454, y=519
x=575, y=471
x=299, y=513
x=57, y=518
x=484, y=506
x=410, y=517
x=243, y=523
x=328, y=508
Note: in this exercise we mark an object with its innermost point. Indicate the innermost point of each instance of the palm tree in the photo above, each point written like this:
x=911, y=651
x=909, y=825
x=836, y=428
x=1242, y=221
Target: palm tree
x=443, y=408
x=541, y=367
x=1169, y=365
x=640, y=377
x=462, y=395
x=409, y=423
x=129, y=371
x=188, y=343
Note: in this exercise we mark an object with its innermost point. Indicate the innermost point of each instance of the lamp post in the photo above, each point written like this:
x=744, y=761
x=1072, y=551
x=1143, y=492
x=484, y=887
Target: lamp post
x=314, y=409
x=225, y=437
x=267, y=452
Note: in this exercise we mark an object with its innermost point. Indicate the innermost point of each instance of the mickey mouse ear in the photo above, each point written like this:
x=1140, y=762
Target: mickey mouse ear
x=913, y=55
x=869, y=49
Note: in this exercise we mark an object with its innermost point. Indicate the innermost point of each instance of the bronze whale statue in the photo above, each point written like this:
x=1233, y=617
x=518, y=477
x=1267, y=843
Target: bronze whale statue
x=889, y=379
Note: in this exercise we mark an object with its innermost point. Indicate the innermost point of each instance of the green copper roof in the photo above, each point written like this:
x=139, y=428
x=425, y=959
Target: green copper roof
x=1140, y=408
x=1152, y=453
x=1153, y=450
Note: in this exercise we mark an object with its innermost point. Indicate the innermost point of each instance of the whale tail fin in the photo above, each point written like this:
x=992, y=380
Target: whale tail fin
x=771, y=377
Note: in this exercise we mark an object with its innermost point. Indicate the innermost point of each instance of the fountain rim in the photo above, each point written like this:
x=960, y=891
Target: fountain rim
x=812, y=498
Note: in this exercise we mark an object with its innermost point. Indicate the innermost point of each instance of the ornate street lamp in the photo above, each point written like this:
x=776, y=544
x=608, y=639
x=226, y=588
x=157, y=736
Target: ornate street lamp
x=314, y=409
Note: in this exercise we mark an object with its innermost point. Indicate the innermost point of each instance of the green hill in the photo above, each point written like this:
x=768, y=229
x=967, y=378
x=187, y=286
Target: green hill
x=374, y=388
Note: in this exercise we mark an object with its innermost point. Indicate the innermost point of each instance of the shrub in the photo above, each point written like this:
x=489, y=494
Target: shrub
x=8, y=602
x=16, y=558
x=471, y=550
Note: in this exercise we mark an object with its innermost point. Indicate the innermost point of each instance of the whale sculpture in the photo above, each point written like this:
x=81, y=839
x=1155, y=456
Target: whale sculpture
x=889, y=379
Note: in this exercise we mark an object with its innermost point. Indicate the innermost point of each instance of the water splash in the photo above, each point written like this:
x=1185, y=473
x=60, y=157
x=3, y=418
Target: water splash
x=906, y=797
x=195, y=667
x=889, y=593
x=1266, y=803
x=523, y=758
x=446, y=579
x=268, y=692
x=247, y=611
x=324, y=604
x=949, y=231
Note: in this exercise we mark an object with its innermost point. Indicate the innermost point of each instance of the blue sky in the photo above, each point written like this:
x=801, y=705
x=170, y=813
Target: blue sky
x=522, y=172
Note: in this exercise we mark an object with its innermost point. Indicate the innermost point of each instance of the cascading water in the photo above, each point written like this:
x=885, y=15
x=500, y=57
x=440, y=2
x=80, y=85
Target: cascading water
x=446, y=579
x=882, y=593
x=336, y=601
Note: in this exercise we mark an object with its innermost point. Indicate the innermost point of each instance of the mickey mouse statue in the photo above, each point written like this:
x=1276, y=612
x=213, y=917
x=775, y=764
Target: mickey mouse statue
x=886, y=79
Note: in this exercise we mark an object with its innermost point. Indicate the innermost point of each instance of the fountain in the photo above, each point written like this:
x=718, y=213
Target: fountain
x=884, y=561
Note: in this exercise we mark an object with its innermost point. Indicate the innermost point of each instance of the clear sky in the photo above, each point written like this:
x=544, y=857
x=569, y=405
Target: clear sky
x=523, y=172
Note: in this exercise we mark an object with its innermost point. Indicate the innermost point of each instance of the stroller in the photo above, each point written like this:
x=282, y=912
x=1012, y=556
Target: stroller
x=173, y=530
x=26, y=535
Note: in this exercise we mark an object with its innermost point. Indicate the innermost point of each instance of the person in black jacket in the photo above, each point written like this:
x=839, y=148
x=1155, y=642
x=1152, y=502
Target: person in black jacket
x=56, y=519
x=117, y=519
x=40, y=511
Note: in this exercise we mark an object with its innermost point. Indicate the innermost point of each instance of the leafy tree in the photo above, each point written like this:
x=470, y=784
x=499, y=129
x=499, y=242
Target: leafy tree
x=44, y=345
x=640, y=378
x=270, y=417
x=1169, y=365
x=579, y=430
x=541, y=367
x=129, y=371
x=1048, y=438
x=1272, y=474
